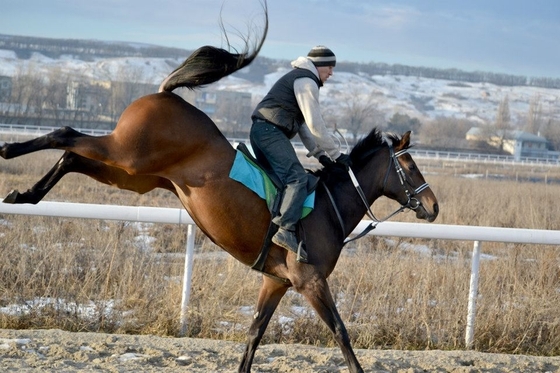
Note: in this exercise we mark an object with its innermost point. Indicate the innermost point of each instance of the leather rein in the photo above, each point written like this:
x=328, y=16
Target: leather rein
x=412, y=202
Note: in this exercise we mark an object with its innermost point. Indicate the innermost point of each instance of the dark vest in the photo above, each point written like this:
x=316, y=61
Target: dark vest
x=280, y=106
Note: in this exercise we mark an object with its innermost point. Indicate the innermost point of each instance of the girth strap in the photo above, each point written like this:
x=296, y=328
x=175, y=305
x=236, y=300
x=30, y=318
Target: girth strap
x=335, y=207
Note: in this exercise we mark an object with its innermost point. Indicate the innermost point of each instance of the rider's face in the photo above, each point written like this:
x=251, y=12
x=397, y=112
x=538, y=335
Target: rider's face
x=325, y=72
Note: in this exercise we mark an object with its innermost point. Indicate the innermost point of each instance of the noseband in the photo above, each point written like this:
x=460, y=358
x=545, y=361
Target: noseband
x=412, y=202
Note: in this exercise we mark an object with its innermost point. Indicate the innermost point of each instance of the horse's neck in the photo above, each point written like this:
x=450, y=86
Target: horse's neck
x=348, y=203
x=371, y=180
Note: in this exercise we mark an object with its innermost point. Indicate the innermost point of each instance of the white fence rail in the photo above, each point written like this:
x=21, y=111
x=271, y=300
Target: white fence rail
x=389, y=229
x=17, y=129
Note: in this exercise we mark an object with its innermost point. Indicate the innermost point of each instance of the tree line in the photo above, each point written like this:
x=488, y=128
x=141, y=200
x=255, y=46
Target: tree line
x=358, y=113
x=58, y=98
x=24, y=46
x=378, y=68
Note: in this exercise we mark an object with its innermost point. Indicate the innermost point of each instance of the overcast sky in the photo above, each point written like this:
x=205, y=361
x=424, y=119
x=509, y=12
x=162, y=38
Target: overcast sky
x=503, y=36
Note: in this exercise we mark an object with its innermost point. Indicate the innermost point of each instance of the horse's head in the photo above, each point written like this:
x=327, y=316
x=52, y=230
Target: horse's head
x=384, y=167
x=404, y=181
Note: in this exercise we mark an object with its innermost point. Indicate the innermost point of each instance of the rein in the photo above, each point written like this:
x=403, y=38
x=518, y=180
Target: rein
x=411, y=204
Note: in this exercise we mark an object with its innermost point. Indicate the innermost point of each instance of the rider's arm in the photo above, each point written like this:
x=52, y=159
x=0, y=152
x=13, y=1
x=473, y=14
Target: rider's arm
x=315, y=131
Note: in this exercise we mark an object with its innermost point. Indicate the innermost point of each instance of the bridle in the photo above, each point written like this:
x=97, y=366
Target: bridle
x=412, y=202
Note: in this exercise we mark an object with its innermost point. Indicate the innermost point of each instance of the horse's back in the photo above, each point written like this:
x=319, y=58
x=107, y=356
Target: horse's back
x=166, y=109
x=161, y=130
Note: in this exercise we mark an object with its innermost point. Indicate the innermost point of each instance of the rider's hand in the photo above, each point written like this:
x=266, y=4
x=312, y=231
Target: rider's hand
x=344, y=160
x=325, y=161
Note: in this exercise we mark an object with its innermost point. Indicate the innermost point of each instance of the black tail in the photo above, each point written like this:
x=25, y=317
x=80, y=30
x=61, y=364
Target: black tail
x=209, y=64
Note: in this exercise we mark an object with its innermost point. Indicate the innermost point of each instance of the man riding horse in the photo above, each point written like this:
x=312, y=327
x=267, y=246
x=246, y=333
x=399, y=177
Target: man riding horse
x=292, y=107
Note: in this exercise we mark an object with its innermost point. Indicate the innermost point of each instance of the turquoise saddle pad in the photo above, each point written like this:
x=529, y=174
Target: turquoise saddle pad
x=245, y=171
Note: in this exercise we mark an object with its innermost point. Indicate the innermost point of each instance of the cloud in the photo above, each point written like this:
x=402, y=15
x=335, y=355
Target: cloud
x=393, y=19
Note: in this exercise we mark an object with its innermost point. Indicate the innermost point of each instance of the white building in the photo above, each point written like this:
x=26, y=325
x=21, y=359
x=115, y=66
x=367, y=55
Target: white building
x=517, y=143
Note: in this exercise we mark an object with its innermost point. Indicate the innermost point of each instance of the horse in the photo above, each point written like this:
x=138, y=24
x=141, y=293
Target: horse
x=161, y=141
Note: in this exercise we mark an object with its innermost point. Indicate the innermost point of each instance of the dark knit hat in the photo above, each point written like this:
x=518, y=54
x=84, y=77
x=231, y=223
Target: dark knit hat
x=322, y=56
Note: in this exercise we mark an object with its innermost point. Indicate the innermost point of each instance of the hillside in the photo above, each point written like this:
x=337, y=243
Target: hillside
x=423, y=93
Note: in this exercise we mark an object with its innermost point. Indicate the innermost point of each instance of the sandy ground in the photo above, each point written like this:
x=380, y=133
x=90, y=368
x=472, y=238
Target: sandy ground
x=59, y=351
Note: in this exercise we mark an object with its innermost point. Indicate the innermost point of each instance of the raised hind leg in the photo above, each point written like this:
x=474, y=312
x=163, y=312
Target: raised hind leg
x=318, y=294
x=59, y=139
x=269, y=296
x=106, y=149
x=71, y=162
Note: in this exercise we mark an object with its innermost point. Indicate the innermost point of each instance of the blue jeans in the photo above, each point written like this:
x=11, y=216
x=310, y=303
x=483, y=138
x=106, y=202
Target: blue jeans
x=273, y=148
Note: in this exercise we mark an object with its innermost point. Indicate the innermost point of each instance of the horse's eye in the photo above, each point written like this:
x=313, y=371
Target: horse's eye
x=412, y=167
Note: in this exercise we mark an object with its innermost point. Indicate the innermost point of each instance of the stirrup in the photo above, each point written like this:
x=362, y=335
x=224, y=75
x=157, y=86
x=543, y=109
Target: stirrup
x=301, y=253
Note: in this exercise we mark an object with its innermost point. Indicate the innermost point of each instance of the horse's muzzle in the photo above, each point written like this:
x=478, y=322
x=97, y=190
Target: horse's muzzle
x=423, y=213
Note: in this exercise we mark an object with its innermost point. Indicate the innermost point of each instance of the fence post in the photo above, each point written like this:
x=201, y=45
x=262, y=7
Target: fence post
x=473, y=293
x=187, y=276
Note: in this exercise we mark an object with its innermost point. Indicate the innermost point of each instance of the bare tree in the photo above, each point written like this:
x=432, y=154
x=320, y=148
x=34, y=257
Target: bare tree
x=54, y=94
x=535, y=116
x=551, y=131
x=400, y=123
x=27, y=92
x=128, y=86
x=502, y=125
x=233, y=113
x=445, y=132
x=359, y=112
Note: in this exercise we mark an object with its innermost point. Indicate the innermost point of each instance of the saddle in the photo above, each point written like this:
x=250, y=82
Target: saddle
x=263, y=181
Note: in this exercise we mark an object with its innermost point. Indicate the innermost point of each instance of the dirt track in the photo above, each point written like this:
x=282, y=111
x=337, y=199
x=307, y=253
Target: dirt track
x=59, y=351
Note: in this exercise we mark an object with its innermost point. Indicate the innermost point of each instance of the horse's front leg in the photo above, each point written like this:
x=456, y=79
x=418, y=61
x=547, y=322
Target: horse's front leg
x=318, y=294
x=59, y=139
x=269, y=296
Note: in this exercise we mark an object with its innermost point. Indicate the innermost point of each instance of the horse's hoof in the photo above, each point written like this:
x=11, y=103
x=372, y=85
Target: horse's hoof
x=11, y=197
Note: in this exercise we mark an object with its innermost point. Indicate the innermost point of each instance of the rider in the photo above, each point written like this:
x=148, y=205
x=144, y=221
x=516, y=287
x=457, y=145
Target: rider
x=292, y=107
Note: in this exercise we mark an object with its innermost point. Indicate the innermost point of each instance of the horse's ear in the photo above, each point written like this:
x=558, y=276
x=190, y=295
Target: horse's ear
x=405, y=142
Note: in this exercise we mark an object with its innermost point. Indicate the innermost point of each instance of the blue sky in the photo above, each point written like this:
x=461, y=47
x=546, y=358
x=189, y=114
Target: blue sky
x=503, y=36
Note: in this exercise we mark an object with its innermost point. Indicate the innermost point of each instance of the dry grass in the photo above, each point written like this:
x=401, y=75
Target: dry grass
x=389, y=294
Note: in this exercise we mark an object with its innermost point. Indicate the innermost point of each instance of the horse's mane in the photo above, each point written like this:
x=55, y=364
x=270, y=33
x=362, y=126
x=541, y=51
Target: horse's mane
x=209, y=64
x=360, y=155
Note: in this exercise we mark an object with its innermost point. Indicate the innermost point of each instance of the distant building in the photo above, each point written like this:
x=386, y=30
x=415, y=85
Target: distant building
x=517, y=143
x=230, y=110
x=85, y=96
x=5, y=88
x=210, y=101
x=94, y=96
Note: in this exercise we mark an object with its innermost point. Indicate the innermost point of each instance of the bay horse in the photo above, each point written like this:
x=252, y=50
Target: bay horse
x=161, y=141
